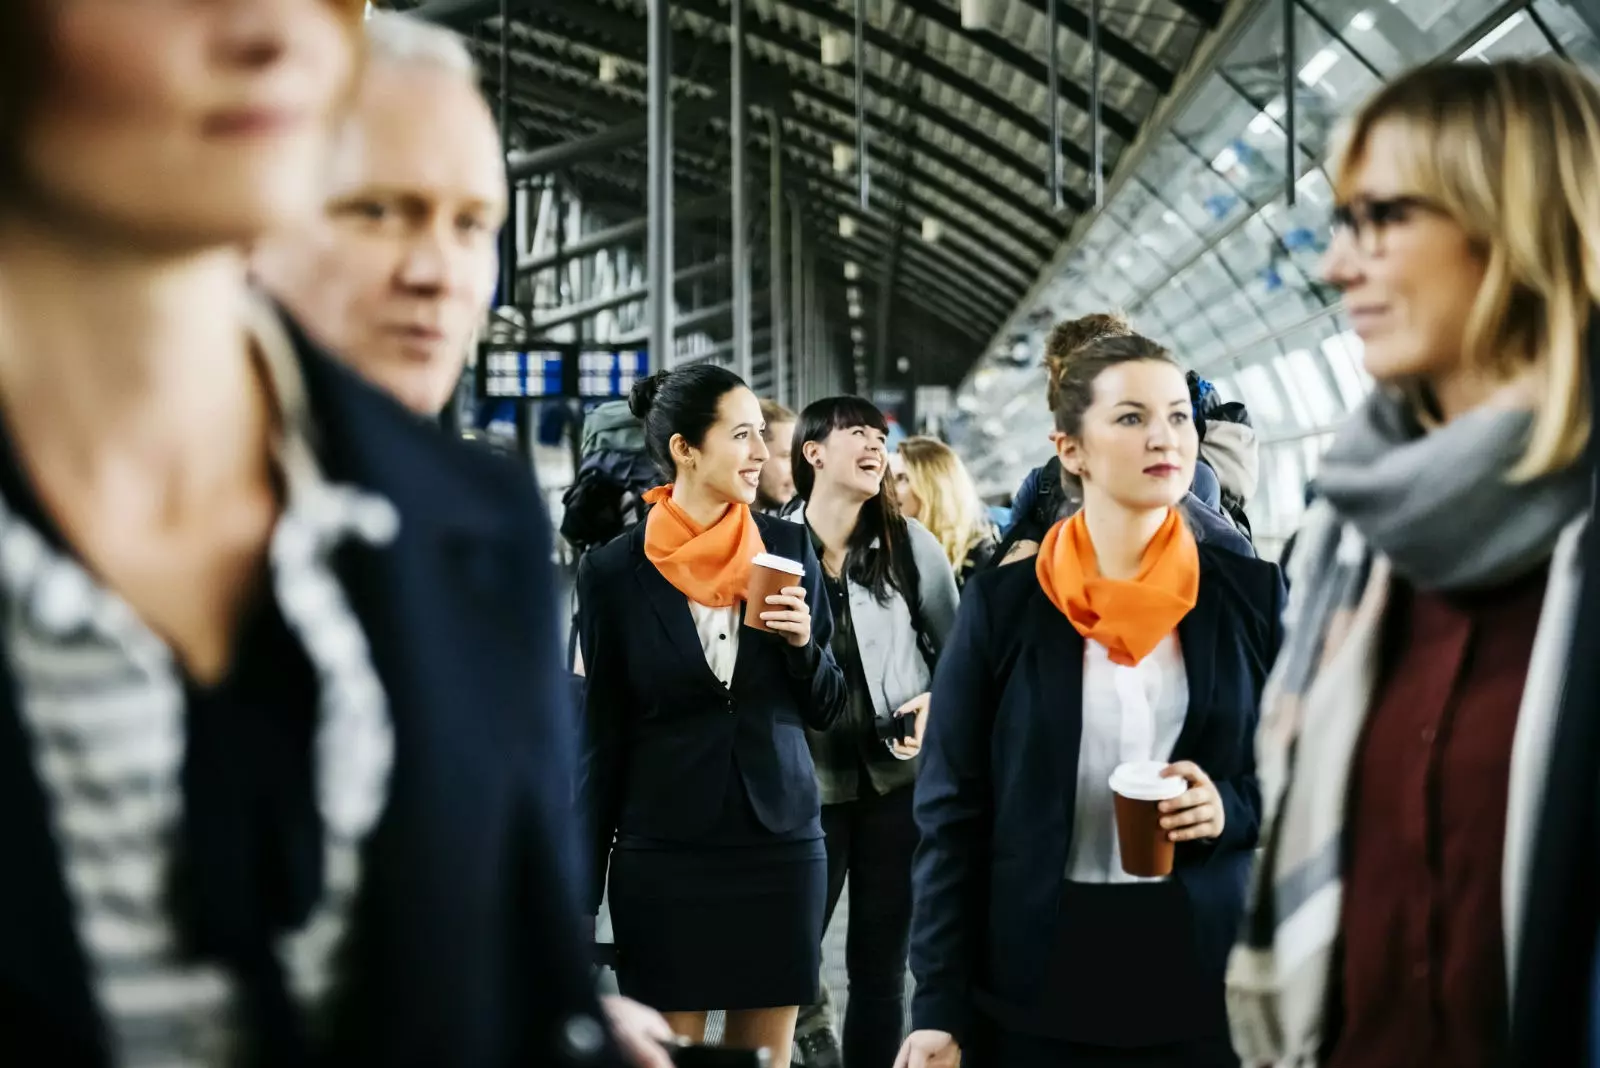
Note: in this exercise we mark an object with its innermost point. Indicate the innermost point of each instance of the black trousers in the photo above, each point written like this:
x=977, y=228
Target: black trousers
x=994, y=1048
x=870, y=842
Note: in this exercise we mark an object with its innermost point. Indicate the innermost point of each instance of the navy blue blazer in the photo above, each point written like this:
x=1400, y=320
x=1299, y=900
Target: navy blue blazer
x=466, y=944
x=664, y=732
x=997, y=791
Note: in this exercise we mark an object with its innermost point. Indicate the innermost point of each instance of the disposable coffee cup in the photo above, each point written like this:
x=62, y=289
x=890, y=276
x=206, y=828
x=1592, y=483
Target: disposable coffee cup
x=1137, y=789
x=769, y=575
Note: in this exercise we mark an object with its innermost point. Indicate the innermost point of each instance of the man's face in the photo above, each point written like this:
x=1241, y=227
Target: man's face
x=777, y=474
x=396, y=274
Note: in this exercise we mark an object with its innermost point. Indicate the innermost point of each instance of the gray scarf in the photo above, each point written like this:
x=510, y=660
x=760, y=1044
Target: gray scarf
x=1438, y=504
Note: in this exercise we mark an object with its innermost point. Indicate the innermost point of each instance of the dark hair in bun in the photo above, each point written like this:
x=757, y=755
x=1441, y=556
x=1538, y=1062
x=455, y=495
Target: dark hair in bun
x=683, y=402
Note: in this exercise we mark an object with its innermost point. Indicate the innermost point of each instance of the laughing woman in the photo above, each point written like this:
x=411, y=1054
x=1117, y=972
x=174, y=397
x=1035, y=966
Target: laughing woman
x=697, y=771
x=1125, y=642
x=893, y=598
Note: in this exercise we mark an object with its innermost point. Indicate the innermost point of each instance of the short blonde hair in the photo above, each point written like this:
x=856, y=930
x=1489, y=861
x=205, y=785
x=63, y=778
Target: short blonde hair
x=951, y=507
x=1511, y=151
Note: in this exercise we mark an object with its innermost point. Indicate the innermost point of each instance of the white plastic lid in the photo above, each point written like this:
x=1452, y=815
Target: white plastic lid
x=1142, y=781
x=780, y=563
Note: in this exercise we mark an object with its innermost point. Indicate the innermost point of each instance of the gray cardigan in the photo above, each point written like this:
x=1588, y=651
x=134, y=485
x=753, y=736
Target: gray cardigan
x=887, y=642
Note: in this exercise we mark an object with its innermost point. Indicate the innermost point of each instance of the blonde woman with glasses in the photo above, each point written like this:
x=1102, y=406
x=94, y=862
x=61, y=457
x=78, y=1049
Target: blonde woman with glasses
x=936, y=490
x=1410, y=727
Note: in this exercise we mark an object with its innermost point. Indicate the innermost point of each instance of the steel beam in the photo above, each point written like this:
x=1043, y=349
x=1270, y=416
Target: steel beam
x=739, y=147
x=588, y=309
x=775, y=234
x=658, y=254
x=978, y=93
x=542, y=160
x=1130, y=55
x=1097, y=133
x=612, y=236
x=842, y=107
x=1291, y=66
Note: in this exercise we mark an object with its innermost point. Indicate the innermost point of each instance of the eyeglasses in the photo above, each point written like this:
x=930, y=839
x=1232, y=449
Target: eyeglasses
x=1366, y=219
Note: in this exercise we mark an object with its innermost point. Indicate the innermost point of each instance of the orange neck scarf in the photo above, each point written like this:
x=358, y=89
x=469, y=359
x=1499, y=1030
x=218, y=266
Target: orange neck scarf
x=710, y=566
x=1129, y=618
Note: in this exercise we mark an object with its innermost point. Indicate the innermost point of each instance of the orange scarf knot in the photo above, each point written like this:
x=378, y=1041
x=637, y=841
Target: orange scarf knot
x=710, y=566
x=1129, y=617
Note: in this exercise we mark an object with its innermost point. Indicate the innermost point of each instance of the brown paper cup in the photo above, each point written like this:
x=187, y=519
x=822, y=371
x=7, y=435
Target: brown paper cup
x=1137, y=789
x=770, y=575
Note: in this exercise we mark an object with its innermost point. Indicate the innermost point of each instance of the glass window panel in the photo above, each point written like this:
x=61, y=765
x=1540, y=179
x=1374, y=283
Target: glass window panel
x=1517, y=36
x=1261, y=397
x=1294, y=394
x=1576, y=37
x=1343, y=353
x=1300, y=372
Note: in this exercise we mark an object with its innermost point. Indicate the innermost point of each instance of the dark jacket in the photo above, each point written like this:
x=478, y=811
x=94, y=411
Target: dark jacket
x=663, y=733
x=464, y=945
x=997, y=793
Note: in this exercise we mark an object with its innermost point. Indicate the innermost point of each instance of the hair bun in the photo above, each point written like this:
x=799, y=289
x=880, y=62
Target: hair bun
x=643, y=395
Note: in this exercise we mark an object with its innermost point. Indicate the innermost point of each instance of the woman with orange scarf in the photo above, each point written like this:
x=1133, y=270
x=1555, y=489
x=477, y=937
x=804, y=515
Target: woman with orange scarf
x=1045, y=936
x=697, y=771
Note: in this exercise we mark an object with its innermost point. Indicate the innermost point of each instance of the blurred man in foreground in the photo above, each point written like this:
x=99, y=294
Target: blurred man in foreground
x=397, y=274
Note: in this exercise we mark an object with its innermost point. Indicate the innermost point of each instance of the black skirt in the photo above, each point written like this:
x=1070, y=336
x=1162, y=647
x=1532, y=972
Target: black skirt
x=719, y=927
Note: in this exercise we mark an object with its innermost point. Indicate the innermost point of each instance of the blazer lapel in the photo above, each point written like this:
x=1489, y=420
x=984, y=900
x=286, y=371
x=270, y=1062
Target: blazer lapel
x=1197, y=635
x=1057, y=678
x=672, y=609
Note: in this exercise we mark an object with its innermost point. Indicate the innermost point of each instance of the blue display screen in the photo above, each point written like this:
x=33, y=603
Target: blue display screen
x=522, y=374
x=611, y=374
x=550, y=372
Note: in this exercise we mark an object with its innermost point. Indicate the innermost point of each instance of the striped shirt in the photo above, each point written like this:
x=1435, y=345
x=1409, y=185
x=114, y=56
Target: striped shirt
x=102, y=699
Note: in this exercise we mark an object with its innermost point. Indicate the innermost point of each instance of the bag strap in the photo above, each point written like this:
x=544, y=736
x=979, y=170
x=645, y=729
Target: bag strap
x=911, y=593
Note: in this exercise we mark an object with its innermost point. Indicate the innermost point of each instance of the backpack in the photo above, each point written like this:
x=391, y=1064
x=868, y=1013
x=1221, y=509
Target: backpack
x=606, y=497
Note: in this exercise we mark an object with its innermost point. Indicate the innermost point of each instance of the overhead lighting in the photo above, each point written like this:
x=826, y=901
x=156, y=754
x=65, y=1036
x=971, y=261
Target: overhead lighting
x=609, y=69
x=855, y=311
x=844, y=159
x=836, y=47
x=980, y=14
x=932, y=230
x=1170, y=217
x=847, y=226
x=1318, y=66
x=1226, y=160
x=853, y=295
x=858, y=334
x=903, y=365
x=1363, y=21
x=852, y=270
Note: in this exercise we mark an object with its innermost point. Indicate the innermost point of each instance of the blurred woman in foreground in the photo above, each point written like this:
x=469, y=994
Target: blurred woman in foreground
x=256, y=619
x=1407, y=734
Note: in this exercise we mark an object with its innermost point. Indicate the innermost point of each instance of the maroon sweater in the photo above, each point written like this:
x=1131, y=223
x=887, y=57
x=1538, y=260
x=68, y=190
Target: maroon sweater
x=1423, y=981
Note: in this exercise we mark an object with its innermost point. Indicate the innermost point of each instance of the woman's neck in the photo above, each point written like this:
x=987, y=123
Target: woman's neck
x=701, y=505
x=1120, y=535
x=833, y=515
x=119, y=369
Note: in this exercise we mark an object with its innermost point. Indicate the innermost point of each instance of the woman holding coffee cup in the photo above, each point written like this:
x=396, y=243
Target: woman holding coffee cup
x=696, y=767
x=892, y=595
x=1088, y=801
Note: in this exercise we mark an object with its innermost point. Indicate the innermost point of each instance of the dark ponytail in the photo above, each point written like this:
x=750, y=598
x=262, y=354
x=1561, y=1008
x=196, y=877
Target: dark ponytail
x=685, y=401
x=889, y=567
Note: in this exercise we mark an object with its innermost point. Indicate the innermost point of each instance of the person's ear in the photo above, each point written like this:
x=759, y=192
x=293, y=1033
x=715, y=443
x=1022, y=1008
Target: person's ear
x=683, y=454
x=812, y=452
x=1070, y=452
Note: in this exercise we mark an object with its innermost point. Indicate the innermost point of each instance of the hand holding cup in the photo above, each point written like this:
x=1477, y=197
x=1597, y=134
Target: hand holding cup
x=1197, y=814
x=789, y=615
